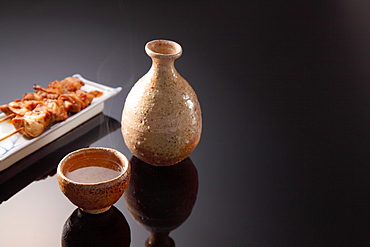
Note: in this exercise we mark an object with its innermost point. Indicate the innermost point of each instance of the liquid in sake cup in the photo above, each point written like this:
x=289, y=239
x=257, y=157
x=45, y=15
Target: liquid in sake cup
x=95, y=178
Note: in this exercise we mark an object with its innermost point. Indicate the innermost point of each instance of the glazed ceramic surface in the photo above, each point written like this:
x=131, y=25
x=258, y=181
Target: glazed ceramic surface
x=161, y=119
x=94, y=197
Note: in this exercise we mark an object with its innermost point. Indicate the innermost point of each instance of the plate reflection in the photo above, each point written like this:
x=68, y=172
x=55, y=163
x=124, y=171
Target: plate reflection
x=160, y=199
x=106, y=229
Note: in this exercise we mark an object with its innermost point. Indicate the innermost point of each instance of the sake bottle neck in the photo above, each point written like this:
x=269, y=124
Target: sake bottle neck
x=163, y=54
x=163, y=66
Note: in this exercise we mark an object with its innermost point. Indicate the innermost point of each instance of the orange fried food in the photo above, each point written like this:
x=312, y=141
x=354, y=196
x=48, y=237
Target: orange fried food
x=76, y=101
x=33, y=122
x=56, y=109
x=55, y=103
x=54, y=89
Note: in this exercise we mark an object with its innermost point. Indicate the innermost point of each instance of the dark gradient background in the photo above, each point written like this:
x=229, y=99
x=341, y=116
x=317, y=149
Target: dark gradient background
x=284, y=88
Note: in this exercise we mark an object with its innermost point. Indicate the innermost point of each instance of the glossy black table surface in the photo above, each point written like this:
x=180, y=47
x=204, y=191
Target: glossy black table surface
x=284, y=88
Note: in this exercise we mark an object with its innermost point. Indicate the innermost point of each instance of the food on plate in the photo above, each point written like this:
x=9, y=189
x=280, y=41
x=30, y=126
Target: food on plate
x=54, y=89
x=36, y=111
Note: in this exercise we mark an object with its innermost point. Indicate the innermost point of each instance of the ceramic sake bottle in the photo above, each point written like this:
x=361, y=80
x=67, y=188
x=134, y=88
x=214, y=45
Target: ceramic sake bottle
x=161, y=118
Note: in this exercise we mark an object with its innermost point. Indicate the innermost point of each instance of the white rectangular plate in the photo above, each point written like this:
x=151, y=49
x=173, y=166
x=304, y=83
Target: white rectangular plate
x=17, y=146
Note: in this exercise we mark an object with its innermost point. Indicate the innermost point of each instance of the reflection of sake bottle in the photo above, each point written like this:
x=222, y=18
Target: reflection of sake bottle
x=161, y=119
x=160, y=199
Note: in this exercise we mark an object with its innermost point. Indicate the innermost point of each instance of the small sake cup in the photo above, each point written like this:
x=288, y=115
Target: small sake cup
x=94, y=178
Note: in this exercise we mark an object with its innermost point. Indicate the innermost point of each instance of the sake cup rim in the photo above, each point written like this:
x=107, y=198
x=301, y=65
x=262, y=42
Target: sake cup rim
x=125, y=165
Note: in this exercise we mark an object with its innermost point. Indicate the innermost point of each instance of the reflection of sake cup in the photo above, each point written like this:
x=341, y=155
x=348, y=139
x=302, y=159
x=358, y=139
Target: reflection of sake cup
x=106, y=229
x=94, y=178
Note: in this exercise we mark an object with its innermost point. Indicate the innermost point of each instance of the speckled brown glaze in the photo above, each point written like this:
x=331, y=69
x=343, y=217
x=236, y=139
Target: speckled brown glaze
x=94, y=197
x=161, y=119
